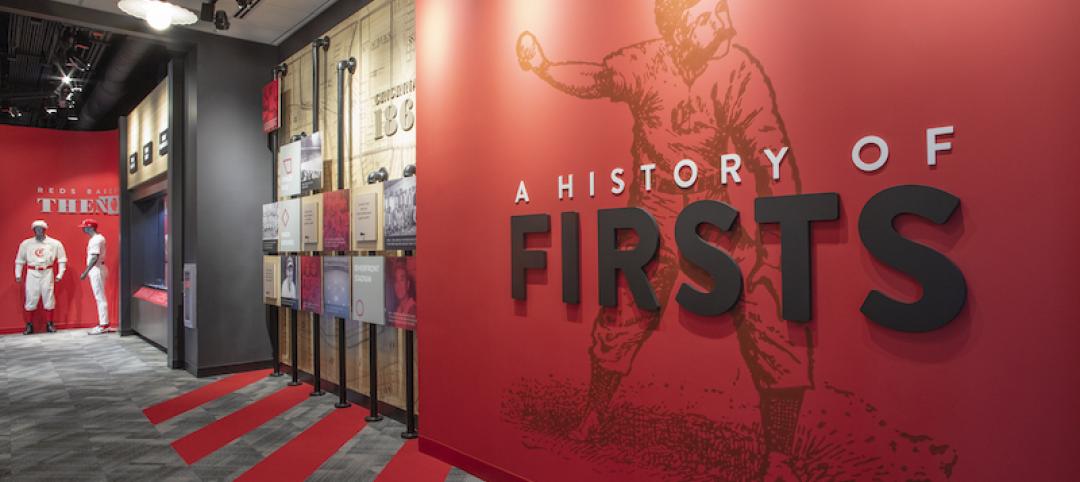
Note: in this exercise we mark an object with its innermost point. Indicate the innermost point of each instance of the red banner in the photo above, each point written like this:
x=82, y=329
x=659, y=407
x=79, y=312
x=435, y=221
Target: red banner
x=271, y=108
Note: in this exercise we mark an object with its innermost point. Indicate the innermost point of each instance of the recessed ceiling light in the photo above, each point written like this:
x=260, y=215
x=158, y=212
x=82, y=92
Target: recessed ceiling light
x=160, y=15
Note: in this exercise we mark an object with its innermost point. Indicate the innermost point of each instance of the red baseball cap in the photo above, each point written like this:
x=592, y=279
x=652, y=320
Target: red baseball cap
x=88, y=223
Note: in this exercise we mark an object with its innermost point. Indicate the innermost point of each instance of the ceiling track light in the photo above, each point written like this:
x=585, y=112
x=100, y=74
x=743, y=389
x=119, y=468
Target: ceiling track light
x=159, y=14
x=245, y=7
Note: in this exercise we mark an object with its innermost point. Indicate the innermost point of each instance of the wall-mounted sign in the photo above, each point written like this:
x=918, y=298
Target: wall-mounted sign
x=270, y=96
x=311, y=163
x=289, y=233
x=270, y=227
x=133, y=162
x=148, y=153
x=367, y=289
x=163, y=142
x=337, y=284
x=289, y=169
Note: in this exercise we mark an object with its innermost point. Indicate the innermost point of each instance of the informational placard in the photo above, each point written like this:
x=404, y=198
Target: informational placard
x=388, y=86
x=289, y=169
x=163, y=142
x=133, y=163
x=401, y=292
x=272, y=280
x=336, y=220
x=399, y=222
x=337, y=286
x=148, y=153
x=289, y=233
x=311, y=284
x=311, y=222
x=367, y=295
x=271, y=121
x=366, y=216
x=270, y=227
x=189, y=295
x=290, y=281
x=311, y=163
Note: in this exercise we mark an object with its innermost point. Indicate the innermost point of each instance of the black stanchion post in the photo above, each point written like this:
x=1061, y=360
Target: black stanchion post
x=343, y=380
x=293, y=333
x=410, y=392
x=275, y=338
x=373, y=373
x=316, y=357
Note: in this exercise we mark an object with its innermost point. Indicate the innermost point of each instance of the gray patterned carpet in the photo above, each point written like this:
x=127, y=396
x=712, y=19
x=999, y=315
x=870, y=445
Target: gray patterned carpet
x=71, y=409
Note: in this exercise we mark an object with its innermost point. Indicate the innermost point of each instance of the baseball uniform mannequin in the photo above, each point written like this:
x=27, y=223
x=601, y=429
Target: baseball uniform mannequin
x=96, y=271
x=38, y=255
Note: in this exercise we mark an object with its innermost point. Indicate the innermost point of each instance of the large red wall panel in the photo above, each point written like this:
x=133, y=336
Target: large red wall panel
x=39, y=164
x=992, y=395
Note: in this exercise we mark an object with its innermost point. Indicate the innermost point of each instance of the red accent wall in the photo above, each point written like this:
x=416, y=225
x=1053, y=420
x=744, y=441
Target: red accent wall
x=45, y=158
x=991, y=396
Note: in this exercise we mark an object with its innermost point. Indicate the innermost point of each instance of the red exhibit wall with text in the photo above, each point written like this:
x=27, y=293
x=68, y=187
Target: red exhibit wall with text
x=42, y=166
x=538, y=389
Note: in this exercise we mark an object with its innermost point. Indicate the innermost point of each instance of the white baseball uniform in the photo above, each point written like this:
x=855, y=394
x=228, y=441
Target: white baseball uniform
x=97, y=275
x=38, y=257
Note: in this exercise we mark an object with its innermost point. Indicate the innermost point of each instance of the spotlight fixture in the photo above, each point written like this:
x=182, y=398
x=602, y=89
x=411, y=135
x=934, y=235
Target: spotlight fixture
x=221, y=20
x=160, y=15
x=66, y=79
x=206, y=10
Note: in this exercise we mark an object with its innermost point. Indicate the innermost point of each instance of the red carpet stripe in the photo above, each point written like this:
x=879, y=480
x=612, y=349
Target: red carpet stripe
x=302, y=456
x=178, y=405
x=409, y=465
x=208, y=439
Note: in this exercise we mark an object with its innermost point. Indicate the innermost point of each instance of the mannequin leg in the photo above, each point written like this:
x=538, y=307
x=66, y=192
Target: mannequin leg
x=48, y=299
x=33, y=295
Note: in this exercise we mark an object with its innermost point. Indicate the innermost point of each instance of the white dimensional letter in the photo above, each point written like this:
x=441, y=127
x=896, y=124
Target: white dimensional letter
x=522, y=194
x=775, y=160
x=933, y=146
x=616, y=177
x=685, y=183
x=732, y=168
x=648, y=169
x=568, y=187
x=592, y=183
x=856, y=153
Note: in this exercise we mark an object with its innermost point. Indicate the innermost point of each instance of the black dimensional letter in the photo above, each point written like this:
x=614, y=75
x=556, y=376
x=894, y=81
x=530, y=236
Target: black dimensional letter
x=571, y=258
x=520, y=259
x=631, y=262
x=727, y=277
x=944, y=288
x=795, y=213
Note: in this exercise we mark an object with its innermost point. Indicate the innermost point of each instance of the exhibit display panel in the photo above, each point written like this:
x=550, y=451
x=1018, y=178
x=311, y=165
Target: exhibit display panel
x=347, y=219
x=748, y=240
x=270, y=227
x=148, y=137
x=337, y=286
x=272, y=280
x=290, y=216
x=311, y=222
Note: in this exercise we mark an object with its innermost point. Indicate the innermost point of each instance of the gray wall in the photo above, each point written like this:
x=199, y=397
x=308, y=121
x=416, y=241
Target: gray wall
x=231, y=169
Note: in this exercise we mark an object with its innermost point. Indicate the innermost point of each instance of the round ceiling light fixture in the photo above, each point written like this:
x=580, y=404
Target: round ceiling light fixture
x=159, y=14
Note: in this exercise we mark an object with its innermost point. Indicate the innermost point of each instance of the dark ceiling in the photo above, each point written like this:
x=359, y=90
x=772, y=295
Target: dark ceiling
x=109, y=74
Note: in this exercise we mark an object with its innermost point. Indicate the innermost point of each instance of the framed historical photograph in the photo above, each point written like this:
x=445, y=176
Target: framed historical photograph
x=399, y=222
x=270, y=227
x=311, y=163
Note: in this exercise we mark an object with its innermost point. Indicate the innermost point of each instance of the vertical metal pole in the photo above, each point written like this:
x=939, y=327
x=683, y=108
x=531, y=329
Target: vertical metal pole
x=373, y=373
x=316, y=357
x=273, y=311
x=293, y=333
x=349, y=65
x=319, y=43
x=410, y=405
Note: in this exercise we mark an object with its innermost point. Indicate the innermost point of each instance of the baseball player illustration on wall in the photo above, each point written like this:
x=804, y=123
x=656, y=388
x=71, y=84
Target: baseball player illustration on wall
x=695, y=94
x=38, y=255
x=97, y=272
